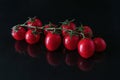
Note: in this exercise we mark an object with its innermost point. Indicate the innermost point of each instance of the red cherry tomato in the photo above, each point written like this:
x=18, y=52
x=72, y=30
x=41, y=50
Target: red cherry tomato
x=87, y=31
x=100, y=44
x=31, y=37
x=71, y=42
x=52, y=41
x=70, y=26
x=19, y=34
x=86, y=48
x=34, y=22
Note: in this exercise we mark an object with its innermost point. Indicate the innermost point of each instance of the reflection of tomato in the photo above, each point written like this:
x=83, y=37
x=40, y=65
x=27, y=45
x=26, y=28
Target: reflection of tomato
x=34, y=50
x=71, y=59
x=98, y=57
x=54, y=58
x=21, y=46
x=64, y=50
x=85, y=65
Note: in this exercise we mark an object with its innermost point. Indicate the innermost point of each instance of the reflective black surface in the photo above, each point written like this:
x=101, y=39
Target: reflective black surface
x=20, y=61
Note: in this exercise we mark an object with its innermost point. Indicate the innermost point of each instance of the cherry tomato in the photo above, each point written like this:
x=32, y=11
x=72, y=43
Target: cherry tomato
x=100, y=44
x=34, y=22
x=31, y=37
x=71, y=42
x=86, y=48
x=19, y=34
x=70, y=26
x=52, y=41
x=87, y=31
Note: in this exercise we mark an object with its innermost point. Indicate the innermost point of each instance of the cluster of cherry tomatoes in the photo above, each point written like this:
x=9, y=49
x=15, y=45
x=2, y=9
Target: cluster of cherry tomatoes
x=73, y=37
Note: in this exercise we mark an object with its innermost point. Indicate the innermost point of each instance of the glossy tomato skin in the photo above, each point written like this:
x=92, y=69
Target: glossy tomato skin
x=71, y=42
x=100, y=44
x=35, y=22
x=87, y=31
x=86, y=48
x=19, y=34
x=52, y=41
x=70, y=26
x=32, y=38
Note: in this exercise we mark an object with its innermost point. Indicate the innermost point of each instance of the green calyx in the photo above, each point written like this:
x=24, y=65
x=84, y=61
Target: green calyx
x=35, y=31
x=80, y=28
x=67, y=22
x=51, y=25
x=31, y=19
x=15, y=28
x=72, y=33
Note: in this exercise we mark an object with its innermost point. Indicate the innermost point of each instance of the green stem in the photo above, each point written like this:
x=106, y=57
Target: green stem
x=82, y=35
x=53, y=29
x=23, y=25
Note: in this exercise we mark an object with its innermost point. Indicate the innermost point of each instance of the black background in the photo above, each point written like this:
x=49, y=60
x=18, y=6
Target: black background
x=101, y=15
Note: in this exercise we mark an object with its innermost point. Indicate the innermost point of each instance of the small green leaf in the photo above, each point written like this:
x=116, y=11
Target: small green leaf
x=72, y=20
x=16, y=28
x=34, y=32
x=31, y=19
x=66, y=22
x=71, y=34
x=81, y=28
x=50, y=23
x=34, y=17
